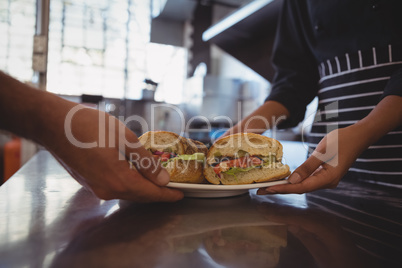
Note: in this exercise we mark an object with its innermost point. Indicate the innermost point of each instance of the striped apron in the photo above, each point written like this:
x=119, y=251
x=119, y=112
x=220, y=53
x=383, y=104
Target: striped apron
x=351, y=85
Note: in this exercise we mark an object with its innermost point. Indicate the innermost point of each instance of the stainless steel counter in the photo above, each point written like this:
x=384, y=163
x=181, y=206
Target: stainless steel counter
x=48, y=220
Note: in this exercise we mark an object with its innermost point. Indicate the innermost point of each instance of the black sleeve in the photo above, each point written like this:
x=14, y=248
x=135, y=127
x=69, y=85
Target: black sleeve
x=296, y=80
x=394, y=85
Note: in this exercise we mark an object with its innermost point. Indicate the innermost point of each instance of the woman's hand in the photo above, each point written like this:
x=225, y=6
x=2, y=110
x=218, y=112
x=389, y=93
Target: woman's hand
x=326, y=166
x=340, y=148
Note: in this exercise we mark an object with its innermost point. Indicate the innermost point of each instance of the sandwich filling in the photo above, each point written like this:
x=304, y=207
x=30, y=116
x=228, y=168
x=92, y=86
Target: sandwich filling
x=241, y=162
x=167, y=156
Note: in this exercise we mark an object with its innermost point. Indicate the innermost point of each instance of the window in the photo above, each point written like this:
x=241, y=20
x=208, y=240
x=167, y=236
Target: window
x=102, y=47
x=17, y=28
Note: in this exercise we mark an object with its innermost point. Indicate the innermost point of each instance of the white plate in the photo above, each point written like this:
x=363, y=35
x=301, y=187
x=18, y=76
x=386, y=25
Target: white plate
x=214, y=191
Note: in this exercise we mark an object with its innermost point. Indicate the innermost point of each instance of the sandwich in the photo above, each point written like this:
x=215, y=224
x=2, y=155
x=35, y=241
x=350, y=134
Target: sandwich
x=183, y=158
x=245, y=158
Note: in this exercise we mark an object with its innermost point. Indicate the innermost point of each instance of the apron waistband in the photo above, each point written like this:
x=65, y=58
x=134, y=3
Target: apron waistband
x=360, y=60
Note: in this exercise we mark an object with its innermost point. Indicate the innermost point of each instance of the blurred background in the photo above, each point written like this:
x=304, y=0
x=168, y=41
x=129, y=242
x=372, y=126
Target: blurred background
x=197, y=62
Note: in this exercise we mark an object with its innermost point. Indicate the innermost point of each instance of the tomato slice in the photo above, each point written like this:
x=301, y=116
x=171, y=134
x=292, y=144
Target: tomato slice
x=238, y=162
x=165, y=157
x=242, y=162
x=255, y=161
x=217, y=169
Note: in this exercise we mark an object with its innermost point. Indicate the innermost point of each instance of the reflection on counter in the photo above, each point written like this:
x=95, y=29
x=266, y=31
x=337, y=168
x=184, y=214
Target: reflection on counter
x=249, y=246
x=50, y=221
x=234, y=232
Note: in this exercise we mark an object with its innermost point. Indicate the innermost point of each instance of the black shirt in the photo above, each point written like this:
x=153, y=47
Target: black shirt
x=313, y=31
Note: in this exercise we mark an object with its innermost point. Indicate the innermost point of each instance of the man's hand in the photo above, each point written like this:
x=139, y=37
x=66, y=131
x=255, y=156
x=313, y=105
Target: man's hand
x=104, y=168
x=93, y=146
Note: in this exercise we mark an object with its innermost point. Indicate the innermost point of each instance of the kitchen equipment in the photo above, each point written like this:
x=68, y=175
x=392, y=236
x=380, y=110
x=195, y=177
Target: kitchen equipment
x=148, y=92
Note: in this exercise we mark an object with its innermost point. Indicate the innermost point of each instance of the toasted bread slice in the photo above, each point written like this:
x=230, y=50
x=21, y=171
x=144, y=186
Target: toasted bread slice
x=164, y=141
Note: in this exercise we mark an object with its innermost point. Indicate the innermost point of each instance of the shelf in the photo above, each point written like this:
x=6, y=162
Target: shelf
x=248, y=35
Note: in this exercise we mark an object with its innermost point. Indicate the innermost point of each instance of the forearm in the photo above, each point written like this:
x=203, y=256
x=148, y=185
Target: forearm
x=265, y=117
x=42, y=116
x=28, y=112
x=385, y=117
